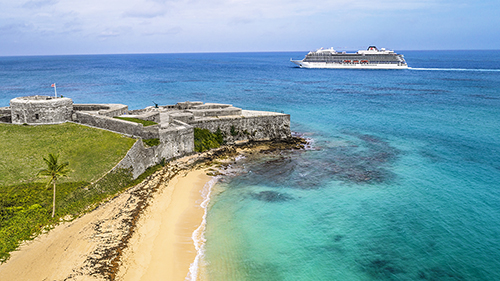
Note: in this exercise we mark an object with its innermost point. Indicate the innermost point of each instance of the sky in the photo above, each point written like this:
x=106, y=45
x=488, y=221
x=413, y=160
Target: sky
x=62, y=27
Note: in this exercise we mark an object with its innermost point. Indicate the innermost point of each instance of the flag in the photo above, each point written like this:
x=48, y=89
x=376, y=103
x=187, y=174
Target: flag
x=53, y=85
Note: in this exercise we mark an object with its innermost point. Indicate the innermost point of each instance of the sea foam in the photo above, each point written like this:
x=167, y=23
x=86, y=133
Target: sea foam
x=199, y=234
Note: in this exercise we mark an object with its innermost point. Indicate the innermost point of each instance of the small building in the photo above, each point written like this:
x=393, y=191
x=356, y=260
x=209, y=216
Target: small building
x=34, y=110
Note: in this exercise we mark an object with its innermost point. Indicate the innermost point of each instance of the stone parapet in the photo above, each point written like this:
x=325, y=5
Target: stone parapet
x=187, y=104
x=214, y=112
x=117, y=125
x=110, y=110
x=176, y=140
x=211, y=106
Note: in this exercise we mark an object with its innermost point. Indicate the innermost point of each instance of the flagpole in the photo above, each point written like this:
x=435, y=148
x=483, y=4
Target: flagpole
x=55, y=89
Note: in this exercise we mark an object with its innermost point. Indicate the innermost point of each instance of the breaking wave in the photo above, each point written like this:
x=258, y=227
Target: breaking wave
x=199, y=234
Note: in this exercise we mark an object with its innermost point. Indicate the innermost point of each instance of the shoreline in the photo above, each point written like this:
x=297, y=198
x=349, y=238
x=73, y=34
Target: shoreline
x=92, y=246
x=162, y=246
x=198, y=235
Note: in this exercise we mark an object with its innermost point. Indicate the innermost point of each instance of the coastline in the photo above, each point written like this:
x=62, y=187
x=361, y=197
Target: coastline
x=93, y=246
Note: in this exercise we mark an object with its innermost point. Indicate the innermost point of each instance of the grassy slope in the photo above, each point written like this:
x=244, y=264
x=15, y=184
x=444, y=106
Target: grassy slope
x=90, y=152
x=25, y=200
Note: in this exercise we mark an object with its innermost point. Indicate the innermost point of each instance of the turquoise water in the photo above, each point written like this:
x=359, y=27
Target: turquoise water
x=401, y=183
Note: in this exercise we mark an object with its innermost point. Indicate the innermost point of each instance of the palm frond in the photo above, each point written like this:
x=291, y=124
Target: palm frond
x=54, y=170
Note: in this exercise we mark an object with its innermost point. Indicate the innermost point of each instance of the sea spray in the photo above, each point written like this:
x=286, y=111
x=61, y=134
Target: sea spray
x=199, y=234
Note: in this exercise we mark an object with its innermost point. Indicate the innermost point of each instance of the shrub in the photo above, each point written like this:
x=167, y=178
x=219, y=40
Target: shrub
x=233, y=130
x=205, y=140
x=24, y=224
x=151, y=142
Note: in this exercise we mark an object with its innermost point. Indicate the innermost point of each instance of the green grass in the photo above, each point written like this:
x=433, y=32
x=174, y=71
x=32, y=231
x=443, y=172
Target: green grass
x=25, y=209
x=145, y=123
x=151, y=142
x=205, y=140
x=90, y=152
x=26, y=201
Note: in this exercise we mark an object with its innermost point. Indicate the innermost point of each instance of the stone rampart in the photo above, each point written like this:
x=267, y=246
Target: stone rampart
x=110, y=110
x=139, y=158
x=5, y=110
x=252, y=125
x=175, y=141
x=117, y=125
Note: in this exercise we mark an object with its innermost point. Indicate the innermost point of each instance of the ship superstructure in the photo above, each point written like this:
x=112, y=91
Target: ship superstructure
x=372, y=58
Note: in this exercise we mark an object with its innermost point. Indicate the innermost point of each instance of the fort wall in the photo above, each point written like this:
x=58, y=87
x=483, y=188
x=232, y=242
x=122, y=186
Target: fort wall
x=251, y=125
x=174, y=142
x=117, y=125
x=139, y=158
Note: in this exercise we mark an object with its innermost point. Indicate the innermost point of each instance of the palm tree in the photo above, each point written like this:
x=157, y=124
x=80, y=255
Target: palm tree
x=54, y=171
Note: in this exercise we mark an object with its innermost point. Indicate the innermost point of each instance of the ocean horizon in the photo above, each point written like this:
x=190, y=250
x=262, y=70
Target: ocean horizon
x=401, y=181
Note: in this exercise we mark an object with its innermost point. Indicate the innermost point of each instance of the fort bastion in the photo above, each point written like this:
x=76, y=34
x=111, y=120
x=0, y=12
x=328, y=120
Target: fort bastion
x=174, y=128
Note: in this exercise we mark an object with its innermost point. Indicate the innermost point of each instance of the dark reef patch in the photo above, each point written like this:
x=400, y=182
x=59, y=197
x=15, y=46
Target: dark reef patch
x=381, y=268
x=338, y=238
x=366, y=159
x=271, y=196
x=438, y=273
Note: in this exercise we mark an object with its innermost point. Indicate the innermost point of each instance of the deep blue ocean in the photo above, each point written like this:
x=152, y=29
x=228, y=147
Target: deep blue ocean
x=402, y=181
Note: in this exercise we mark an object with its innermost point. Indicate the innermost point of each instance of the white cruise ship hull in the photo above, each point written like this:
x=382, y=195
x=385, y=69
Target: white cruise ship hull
x=302, y=64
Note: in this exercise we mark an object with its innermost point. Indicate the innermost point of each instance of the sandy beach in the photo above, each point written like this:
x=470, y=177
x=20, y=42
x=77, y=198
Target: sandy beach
x=160, y=215
x=144, y=233
x=162, y=247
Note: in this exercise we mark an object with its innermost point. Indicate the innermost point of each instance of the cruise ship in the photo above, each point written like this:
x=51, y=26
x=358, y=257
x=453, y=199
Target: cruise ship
x=371, y=58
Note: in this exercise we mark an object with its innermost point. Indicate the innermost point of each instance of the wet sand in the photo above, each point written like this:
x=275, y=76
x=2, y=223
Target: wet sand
x=161, y=247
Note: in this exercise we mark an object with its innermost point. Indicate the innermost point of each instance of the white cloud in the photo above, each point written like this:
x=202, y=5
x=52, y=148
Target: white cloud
x=37, y=4
x=214, y=24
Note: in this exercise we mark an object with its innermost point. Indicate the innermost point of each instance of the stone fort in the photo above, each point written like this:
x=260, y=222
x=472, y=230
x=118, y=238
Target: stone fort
x=174, y=124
